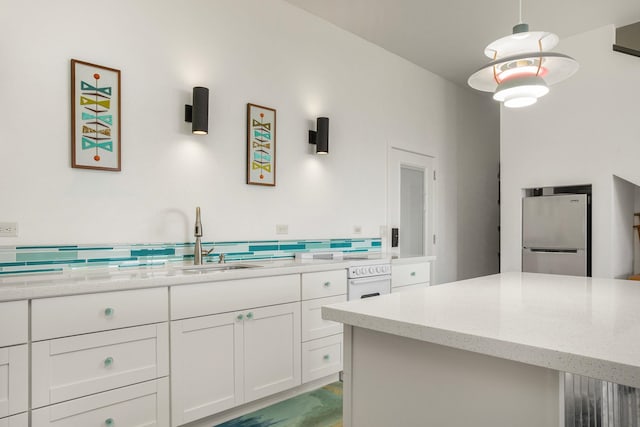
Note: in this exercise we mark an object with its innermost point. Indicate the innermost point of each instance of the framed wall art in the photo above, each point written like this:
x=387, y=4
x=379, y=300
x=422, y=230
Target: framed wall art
x=95, y=117
x=261, y=145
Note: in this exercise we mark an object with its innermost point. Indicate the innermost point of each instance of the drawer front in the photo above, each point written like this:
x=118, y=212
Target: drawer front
x=81, y=314
x=14, y=379
x=145, y=404
x=313, y=325
x=324, y=284
x=410, y=274
x=20, y=420
x=14, y=320
x=220, y=297
x=68, y=368
x=321, y=357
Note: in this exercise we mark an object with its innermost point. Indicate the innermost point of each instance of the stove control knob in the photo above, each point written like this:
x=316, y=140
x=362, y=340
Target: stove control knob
x=372, y=270
x=379, y=270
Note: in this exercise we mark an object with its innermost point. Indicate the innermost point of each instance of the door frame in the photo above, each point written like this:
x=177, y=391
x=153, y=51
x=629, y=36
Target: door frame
x=430, y=197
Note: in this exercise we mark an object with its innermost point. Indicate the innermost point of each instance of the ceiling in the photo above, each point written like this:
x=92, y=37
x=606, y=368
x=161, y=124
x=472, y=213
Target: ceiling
x=448, y=37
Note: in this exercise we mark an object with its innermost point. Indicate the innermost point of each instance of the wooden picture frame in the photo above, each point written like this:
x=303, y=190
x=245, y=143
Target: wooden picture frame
x=261, y=145
x=95, y=117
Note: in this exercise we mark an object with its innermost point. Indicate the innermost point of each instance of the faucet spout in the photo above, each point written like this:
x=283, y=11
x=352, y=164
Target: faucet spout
x=198, y=227
x=197, y=250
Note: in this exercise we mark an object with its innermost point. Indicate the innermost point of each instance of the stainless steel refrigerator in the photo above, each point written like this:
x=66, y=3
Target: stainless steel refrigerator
x=554, y=234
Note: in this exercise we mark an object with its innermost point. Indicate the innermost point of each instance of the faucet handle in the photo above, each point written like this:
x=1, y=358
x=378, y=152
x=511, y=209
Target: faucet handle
x=221, y=259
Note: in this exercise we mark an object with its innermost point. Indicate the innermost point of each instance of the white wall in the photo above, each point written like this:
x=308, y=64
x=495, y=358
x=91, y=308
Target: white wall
x=622, y=232
x=583, y=132
x=478, y=209
x=260, y=51
x=636, y=237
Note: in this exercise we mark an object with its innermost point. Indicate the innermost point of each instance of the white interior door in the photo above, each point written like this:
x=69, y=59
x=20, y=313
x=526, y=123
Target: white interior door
x=410, y=203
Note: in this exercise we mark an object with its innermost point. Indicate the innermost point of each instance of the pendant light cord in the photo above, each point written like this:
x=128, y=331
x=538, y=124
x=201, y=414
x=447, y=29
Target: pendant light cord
x=520, y=15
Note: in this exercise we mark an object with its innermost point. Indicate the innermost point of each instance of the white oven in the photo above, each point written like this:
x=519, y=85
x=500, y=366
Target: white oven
x=368, y=281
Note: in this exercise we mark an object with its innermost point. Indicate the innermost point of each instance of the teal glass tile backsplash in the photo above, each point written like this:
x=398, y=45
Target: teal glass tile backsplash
x=52, y=258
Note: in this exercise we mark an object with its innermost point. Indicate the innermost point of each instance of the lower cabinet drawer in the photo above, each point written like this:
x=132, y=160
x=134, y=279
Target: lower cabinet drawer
x=14, y=323
x=81, y=314
x=20, y=420
x=410, y=274
x=140, y=405
x=321, y=357
x=14, y=380
x=313, y=325
x=68, y=368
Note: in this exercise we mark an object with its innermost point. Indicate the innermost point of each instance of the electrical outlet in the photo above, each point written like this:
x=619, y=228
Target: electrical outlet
x=357, y=229
x=282, y=229
x=8, y=229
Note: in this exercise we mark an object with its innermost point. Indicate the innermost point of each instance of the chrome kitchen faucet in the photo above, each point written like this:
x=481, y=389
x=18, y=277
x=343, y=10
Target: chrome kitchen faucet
x=197, y=251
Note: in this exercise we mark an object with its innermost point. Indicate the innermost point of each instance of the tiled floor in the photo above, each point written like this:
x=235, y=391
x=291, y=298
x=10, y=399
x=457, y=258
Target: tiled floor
x=318, y=408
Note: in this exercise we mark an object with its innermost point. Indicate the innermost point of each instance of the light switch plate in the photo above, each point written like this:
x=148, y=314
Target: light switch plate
x=8, y=229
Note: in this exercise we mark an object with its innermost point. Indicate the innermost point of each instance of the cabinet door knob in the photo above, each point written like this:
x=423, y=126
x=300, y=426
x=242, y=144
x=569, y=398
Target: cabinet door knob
x=108, y=361
x=239, y=317
x=108, y=311
x=249, y=315
x=327, y=284
x=326, y=357
x=413, y=273
x=108, y=422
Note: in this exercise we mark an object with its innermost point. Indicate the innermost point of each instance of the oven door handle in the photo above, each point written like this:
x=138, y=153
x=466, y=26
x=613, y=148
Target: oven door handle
x=369, y=279
x=375, y=294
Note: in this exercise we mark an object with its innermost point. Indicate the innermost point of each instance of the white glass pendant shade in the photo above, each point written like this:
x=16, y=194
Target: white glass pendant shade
x=521, y=71
x=520, y=92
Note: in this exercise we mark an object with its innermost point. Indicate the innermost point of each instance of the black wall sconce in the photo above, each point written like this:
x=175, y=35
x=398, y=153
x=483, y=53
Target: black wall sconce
x=320, y=137
x=198, y=114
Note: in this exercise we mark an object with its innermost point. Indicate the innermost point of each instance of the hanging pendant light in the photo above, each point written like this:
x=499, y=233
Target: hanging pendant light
x=522, y=69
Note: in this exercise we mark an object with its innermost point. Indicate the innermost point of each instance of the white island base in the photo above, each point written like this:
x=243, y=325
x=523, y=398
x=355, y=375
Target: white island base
x=486, y=351
x=391, y=380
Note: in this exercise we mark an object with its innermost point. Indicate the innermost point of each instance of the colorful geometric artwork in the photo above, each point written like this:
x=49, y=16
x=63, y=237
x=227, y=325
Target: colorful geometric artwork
x=95, y=117
x=261, y=145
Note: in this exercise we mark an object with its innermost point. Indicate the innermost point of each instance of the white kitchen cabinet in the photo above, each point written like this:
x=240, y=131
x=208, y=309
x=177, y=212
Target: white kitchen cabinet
x=20, y=420
x=139, y=405
x=410, y=274
x=100, y=359
x=321, y=357
x=14, y=323
x=80, y=314
x=14, y=361
x=224, y=360
x=324, y=284
x=271, y=350
x=322, y=339
x=72, y=367
x=14, y=378
x=313, y=325
x=231, y=295
x=206, y=366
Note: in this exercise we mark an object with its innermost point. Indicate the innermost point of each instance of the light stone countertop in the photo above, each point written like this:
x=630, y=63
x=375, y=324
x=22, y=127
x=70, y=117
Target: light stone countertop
x=586, y=326
x=105, y=279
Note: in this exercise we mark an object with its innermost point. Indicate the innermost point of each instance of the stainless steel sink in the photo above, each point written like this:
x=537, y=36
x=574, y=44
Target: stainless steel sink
x=210, y=268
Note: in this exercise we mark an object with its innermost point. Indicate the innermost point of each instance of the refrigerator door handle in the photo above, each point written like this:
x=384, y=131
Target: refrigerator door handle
x=555, y=251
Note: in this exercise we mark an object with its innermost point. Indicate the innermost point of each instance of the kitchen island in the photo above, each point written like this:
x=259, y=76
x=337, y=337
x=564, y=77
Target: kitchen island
x=488, y=351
